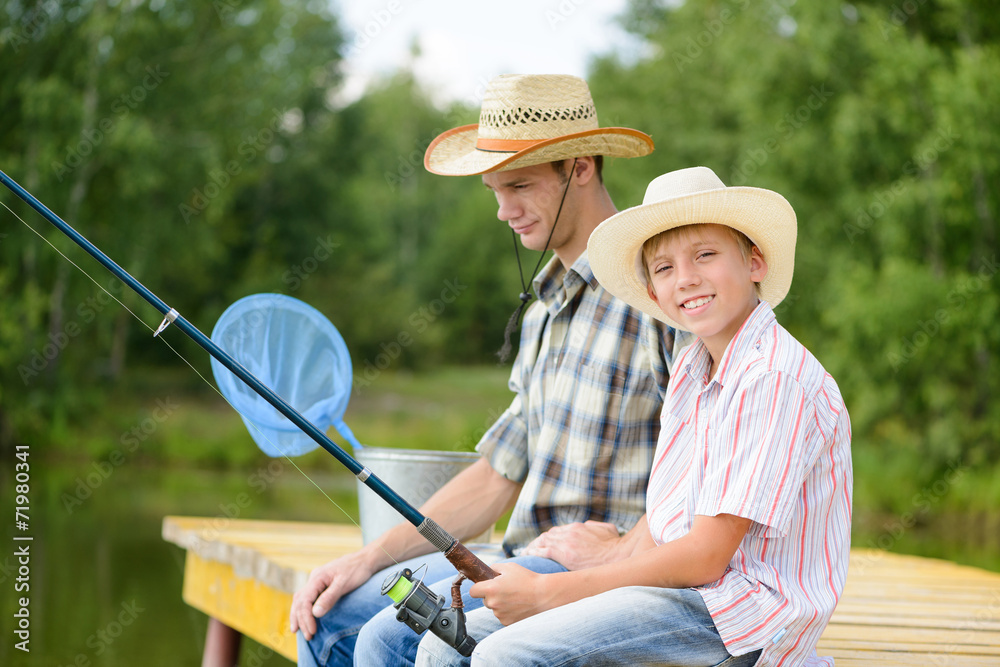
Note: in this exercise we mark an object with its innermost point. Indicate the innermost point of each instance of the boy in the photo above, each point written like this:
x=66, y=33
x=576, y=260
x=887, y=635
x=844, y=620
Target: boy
x=743, y=553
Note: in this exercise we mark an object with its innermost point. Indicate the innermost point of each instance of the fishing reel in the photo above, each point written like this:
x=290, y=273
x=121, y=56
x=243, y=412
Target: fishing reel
x=421, y=609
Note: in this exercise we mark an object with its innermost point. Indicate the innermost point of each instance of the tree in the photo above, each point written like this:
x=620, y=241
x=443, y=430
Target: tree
x=138, y=123
x=874, y=121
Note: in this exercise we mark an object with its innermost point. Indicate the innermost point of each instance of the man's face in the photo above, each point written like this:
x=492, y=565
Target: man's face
x=528, y=199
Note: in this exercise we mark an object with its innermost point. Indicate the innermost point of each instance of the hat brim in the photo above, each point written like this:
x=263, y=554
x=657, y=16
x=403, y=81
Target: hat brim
x=454, y=153
x=767, y=219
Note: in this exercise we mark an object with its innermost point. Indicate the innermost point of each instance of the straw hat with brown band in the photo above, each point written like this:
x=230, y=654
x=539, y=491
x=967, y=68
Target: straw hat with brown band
x=526, y=120
x=529, y=119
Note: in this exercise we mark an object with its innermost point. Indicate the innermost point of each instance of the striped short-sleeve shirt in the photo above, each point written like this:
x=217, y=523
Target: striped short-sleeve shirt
x=589, y=381
x=768, y=439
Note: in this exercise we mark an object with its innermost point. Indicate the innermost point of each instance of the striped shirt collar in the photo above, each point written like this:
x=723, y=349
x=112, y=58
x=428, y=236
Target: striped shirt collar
x=748, y=334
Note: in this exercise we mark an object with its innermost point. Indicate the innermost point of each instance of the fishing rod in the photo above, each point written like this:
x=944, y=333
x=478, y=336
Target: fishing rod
x=415, y=602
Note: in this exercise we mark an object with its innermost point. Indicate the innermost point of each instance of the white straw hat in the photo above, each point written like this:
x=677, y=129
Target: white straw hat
x=687, y=197
x=529, y=119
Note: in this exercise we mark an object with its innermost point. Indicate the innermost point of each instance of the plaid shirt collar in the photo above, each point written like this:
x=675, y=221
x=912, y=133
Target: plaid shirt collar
x=555, y=284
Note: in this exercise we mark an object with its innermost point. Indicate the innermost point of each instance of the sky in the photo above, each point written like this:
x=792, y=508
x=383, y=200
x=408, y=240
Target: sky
x=463, y=44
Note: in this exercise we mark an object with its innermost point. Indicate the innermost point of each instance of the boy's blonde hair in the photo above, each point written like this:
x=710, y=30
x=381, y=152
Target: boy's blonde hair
x=653, y=243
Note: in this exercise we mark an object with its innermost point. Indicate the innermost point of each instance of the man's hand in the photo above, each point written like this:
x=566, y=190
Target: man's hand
x=450, y=507
x=326, y=584
x=516, y=594
x=577, y=546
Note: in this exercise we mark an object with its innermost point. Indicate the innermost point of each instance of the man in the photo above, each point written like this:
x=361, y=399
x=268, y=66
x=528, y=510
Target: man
x=577, y=442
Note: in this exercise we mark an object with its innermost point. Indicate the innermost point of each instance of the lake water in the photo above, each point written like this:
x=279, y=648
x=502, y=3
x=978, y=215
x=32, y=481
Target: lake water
x=105, y=589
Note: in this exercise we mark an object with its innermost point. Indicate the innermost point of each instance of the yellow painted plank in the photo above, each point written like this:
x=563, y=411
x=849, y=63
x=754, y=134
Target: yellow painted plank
x=877, y=589
x=255, y=610
x=971, y=637
x=893, y=659
x=916, y=606
x=256, y=525
x=243, y=544
x=955, y=620
x=887, y=645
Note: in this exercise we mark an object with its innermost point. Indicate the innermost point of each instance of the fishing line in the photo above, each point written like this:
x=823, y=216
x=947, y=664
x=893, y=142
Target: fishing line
x=191, y=366
x=459, y=555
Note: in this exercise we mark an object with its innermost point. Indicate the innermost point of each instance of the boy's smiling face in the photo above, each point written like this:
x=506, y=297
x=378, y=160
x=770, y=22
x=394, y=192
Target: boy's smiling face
x=702, y=281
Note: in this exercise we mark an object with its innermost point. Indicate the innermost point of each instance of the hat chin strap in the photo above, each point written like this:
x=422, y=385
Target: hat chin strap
x=525, y=296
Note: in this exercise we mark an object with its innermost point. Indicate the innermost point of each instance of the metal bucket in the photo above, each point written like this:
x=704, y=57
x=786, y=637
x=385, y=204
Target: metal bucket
x=415, y=474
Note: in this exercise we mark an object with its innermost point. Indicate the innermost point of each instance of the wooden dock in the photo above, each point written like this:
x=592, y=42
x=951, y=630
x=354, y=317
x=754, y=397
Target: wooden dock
x=896, y=610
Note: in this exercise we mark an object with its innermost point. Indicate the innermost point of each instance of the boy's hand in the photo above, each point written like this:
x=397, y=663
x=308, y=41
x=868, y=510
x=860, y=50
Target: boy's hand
x=577, y=546
x=516, y=594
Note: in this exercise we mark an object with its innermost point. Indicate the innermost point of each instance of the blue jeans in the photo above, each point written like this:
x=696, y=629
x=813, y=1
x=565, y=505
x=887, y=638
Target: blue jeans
x=627, y=626
x=362, y=629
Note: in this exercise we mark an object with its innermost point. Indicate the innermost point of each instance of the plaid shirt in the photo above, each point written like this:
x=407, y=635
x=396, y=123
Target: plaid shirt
x=589, y=378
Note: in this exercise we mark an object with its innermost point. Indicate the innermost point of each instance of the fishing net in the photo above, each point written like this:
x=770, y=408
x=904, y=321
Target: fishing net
x=294, y=350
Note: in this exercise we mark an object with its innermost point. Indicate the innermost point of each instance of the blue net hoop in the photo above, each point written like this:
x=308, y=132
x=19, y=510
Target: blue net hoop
x=293, y=349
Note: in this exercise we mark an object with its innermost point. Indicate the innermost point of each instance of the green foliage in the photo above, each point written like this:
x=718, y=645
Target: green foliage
x=139, y=124
x=202, y=146
x=873, y=120
x=198, y=145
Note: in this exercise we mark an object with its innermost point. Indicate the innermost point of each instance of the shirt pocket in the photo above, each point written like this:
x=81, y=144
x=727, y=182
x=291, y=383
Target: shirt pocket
x=602, y=377
x=595, y=403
